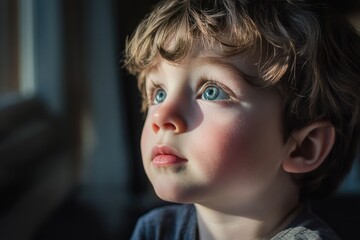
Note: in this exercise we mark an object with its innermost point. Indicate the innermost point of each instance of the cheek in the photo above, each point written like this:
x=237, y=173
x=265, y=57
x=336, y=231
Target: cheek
x=223, y=147
x=146, y=141
x=238, y=147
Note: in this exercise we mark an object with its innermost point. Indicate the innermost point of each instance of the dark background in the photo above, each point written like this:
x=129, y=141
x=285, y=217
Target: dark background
x=69, y=146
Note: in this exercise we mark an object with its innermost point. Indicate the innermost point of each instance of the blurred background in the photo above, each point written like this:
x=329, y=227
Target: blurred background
x=70, y=165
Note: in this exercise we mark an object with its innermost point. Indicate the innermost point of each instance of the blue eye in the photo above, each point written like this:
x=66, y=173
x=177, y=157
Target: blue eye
x=159, y=96
x=213, y=92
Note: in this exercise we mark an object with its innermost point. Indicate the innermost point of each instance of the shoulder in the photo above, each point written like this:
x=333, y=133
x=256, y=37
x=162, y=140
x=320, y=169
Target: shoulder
x=307, y=226
x=169, y=222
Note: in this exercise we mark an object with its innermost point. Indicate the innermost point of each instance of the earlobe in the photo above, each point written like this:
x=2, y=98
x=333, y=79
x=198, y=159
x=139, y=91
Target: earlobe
x=309, y=147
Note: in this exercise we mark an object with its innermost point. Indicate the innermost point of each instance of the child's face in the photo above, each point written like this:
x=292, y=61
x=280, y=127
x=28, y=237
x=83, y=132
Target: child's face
x=209, y=136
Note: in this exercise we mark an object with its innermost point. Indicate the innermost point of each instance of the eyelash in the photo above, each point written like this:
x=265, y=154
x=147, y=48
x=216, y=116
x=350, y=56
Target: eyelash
x=202, y=85
x=151, y=92
x=205, y=82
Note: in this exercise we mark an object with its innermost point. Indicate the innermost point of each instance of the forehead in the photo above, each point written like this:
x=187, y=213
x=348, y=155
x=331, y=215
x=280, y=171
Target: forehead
x=243, y=64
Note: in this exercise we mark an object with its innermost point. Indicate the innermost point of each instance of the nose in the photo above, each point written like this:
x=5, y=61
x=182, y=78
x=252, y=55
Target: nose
x=169, y=116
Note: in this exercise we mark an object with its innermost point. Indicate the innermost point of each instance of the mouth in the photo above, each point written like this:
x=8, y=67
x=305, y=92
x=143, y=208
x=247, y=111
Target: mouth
x=165, y=156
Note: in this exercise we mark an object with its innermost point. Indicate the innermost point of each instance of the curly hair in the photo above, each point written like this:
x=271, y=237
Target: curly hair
x=308, y=51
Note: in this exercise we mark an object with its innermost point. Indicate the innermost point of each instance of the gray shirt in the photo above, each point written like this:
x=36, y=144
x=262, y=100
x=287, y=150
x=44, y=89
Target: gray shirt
x=178, y=222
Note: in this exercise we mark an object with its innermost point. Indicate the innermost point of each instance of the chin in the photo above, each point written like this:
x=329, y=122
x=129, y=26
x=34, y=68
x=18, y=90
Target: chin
x=175, y=195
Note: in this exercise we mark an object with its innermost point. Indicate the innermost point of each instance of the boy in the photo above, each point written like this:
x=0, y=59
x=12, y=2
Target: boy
x=252, y=109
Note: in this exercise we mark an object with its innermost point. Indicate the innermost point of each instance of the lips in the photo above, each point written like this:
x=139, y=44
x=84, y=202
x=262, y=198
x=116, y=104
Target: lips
x=164, y=156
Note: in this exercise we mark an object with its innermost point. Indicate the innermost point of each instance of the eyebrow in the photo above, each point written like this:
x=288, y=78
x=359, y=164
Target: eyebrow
x=229, y=67
x=252, y=80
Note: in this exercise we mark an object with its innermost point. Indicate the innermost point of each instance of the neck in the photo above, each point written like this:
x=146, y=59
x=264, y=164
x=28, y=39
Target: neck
x=215, y=225
x=262, y=219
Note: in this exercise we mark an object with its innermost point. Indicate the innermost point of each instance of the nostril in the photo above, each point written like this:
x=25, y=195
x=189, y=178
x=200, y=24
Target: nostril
x=155, y=128
x=168, y=122
x=169, y=126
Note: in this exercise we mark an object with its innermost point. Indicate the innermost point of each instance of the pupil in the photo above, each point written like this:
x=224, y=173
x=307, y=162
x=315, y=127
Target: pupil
x=160, y=96
x=211, y=93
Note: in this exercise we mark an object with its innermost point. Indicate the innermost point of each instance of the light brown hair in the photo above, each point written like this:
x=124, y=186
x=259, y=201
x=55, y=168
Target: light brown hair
x=309, y=52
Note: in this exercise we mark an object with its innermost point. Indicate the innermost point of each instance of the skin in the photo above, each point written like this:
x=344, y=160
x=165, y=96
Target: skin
x=225, y=154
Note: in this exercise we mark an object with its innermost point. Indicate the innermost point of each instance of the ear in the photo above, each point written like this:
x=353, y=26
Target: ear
x=309, y=147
